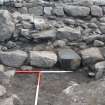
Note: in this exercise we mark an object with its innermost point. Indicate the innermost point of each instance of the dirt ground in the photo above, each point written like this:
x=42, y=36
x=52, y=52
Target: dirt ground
x=51, y=86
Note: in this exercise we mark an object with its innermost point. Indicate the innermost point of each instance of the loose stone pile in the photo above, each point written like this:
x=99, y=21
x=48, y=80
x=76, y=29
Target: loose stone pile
x=69, y=34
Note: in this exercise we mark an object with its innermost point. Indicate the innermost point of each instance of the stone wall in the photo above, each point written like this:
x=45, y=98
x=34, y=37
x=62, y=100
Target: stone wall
x=68, y=34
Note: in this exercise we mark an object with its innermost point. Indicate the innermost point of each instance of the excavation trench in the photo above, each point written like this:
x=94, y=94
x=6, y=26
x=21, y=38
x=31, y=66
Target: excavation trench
x=24, y=85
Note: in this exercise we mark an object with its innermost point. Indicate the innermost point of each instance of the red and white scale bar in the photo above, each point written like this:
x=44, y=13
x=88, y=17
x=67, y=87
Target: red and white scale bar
x=39, y=72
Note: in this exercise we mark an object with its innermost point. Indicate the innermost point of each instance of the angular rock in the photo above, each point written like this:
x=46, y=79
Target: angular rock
x=13, y=58
x=91, y=55
x=102, y=27
x=7, y=26
x=44, y=59
x=37, y=11
x=58, y=11
x=41, y=24
x=68, y=33
x=2, y=90
x=83, y=94
x=96, y=11
x=47, y=11
x=45, y=35
x=98, y=43
x=69, y=59
x=100, y=69
x=76, y=11
x=87, y=3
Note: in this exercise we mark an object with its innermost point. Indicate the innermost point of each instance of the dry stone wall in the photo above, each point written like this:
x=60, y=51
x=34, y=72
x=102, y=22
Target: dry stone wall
x=68, y=34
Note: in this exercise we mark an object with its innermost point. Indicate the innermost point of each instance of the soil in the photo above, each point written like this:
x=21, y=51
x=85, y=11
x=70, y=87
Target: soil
x=51, y=86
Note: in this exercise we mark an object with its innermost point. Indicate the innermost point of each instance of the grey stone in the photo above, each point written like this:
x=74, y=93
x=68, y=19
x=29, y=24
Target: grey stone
x=98, y=43
x=69, y=21
x=69, y=59
x=76, y=11
x=99, y=2
x=10, y=73
x=91, y=93
x=2, y=68
x=13, y=58
x=100, y=69
x=59, y=43
x=37, y=11
x=92, y=25
x=96, y=11
x=47, y=11
x=11, y=44
x=58, y=11
x=2, y=90
x=40, y=23
x=87, y=3
x=102, y=19
x=27, y=25
x=68, y=33
x=44, y=59
x=91, y=55
x=48, y=35
x=7, y=26
x=102, y=27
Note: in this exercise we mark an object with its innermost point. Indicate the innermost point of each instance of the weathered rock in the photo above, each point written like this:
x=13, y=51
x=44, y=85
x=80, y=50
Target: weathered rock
x=98, y=43
x=91, y=55
x=102, y=27
x=76, y=11
x=13, y=58
x=87, y=3
x=96, y=11
x=7, y=26
x=37, y=11
x=41, y=24
x=2, y=68
x=59, y=43
x=69, y=59
x=58, y=11
x=46, y=35
x=68, y=33
x=100, y=69
x=83, y=94
x=10, y=73
x=47, y=11
x=44, y=59
x=2, y=90
x=99, y=2
x=69, y=21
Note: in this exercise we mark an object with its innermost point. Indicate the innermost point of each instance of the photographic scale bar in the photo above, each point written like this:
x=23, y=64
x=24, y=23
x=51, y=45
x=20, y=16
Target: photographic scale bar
x=39, y=72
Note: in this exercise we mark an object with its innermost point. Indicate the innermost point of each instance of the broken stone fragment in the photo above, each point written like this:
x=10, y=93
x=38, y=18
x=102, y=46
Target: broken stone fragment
x=100, y=69
x=69, y=59
x=13, y=58
x=76, y=11
x=7, y=26
x=68, y=33
x=44, y=59
x=91, y=55
x=2, y=90
x=46, y=35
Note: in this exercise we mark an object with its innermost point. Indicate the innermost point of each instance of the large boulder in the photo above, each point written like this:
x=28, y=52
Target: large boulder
x=44, y=59
x=68, y=33
x=13, y=58
x=7, y=26
x=83, y=94
x=76, y=11
x=69, y=59
x=91, y=55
